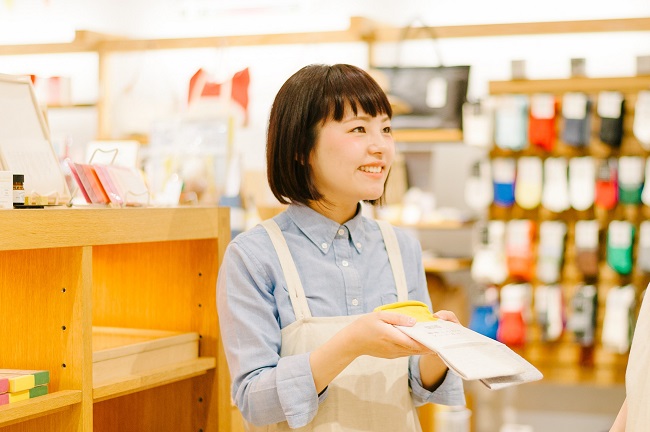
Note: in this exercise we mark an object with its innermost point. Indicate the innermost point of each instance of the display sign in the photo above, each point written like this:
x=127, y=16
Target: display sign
x=25, y=146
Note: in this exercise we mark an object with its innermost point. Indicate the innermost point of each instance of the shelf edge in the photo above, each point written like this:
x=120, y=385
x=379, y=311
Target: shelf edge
x=154, y=378
x=38, y=407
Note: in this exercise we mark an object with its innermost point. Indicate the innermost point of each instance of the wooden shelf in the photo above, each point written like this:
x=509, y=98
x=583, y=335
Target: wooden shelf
x=68, y=227
x=427, y=135
x=157, y=377
x=394, y=34
x=133, y=268
x=359, y=30
x=445, y=265
x=38, y=407
x=560, y=86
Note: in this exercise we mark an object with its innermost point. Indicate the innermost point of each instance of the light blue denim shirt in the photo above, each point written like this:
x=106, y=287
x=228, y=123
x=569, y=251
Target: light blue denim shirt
x=344, y=270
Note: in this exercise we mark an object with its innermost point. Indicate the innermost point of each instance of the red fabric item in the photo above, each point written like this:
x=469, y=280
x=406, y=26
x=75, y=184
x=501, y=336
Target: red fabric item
x=201, y=86
x=512, y=328
x=541, y=132
x=522, y=267
x=520, y=256
x=606, y=194
x=240, y=83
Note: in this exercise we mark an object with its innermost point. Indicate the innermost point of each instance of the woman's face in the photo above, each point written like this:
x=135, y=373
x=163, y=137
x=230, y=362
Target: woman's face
x=351, y=158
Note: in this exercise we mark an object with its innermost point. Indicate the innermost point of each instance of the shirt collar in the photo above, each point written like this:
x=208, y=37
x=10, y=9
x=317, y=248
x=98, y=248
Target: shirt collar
x=321, y=230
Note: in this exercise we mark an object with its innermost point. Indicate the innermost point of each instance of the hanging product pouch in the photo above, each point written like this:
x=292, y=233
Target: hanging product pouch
x=528, y=186
x=611, y=107
x=586, y=244
x=541, y=126
x=582, y=182
x=620, y=238
x=555, y=194
x=549, y=308
x=478, y=124
x=643, y=254
x=489, y=263
x=583, y=314
x=576, y=112
x=511, y=122
x=550, y=251
x=478, y=187
x=519, y=249
x=434, y=95
x=504, y=173
x=618, y=325
x=630, y=179
x=606, y=184
x=641, y=125
x=645, y=193
x=514, y=303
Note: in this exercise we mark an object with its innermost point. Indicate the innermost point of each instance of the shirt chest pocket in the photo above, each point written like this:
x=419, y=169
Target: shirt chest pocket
x=388, y=298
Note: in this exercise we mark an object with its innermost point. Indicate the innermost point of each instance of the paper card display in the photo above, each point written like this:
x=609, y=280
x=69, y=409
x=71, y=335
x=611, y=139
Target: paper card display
x=103, y=184
x=25, y=146
x=473, y=356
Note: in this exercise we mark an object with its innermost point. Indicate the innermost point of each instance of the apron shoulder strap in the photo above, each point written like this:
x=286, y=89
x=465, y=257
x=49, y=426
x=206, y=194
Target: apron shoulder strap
x=294, y=286
x=395, y=259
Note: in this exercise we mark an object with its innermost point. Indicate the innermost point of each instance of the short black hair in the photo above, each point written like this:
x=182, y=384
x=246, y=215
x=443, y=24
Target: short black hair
x=310, y=97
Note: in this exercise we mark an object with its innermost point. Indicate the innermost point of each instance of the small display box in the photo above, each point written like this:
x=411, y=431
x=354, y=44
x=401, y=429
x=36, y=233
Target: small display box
x=121, y=353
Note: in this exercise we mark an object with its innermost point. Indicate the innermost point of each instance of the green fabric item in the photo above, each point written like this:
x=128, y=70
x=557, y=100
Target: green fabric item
x=630, y=195
x=620, y=259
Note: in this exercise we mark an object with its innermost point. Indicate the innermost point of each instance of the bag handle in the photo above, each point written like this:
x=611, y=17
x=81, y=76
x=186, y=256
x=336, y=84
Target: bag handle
x=404, y=35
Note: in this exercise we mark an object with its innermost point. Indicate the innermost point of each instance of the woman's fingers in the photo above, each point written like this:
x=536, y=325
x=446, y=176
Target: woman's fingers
x=396, y=318
x=447, y=316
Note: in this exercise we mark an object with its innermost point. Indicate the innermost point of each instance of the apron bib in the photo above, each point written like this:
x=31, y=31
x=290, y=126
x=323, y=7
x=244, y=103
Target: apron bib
x=371, y=394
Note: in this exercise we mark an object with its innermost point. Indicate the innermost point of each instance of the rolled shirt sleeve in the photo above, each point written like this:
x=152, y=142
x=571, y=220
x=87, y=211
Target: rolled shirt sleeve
x=450, y=392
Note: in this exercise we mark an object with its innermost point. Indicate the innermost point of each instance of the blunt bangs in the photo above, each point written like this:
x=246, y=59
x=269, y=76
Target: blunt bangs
x=347, y=85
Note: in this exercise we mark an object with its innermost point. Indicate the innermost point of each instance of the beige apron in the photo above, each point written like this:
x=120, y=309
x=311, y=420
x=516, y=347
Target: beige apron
x=371, y=394
x=637, y=375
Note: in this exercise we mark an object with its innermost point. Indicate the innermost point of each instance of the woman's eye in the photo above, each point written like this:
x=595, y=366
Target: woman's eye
x=388, y=129
x=359, y=129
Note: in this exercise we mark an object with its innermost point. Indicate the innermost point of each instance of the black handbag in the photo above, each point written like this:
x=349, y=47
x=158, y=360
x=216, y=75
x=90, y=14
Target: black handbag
x=433, y=96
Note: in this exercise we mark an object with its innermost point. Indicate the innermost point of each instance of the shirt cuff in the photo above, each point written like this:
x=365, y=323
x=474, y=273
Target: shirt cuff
x=296, y=390
x=450, y=391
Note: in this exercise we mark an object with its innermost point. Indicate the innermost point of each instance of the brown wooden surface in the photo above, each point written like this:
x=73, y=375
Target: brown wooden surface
x=64, y=269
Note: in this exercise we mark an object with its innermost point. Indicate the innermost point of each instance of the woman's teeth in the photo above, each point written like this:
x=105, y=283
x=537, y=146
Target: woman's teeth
x=371, y=169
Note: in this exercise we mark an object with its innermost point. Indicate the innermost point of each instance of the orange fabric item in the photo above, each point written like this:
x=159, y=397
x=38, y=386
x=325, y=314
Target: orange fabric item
x=512, y=328
x=541, y=132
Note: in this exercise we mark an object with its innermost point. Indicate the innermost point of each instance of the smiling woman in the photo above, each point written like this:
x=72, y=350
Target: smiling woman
x=304, y=347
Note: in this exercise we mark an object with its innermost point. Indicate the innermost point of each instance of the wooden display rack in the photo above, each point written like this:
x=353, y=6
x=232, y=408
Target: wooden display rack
x=565, y=361
x=67, y=270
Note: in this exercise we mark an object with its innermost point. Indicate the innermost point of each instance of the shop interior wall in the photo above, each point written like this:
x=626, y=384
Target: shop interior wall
x=148, y=86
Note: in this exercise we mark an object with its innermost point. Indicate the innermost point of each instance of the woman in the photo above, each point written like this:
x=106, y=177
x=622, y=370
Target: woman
x=634, y=415
x=296, y=295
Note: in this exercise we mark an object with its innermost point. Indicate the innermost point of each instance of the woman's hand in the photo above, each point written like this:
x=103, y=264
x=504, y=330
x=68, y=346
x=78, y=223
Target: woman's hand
x=432, y=369
x=373, y=334
x=447, y=316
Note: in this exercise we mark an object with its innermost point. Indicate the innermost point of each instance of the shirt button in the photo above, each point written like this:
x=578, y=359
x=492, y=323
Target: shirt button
x=344, y=263
x=324, y=245
x=341, y=232
x=355, y=302
x=359, y=245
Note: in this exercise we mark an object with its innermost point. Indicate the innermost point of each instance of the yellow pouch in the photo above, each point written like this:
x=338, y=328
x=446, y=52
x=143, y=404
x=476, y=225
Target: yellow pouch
x=416, y=309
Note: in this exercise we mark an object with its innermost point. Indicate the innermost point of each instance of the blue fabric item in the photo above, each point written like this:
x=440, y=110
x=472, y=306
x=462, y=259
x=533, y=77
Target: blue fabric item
x=504, y=194
x=485, y=321
x=254, y=305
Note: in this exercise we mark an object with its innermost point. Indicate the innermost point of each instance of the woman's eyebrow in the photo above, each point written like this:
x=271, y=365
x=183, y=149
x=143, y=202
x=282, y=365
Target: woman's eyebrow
x=363, y=117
